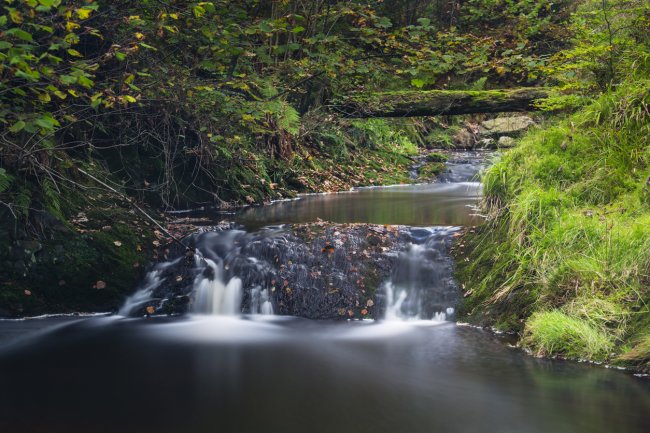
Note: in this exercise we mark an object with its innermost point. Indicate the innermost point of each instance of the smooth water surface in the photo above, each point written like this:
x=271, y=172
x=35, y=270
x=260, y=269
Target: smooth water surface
x=218, y=374
x=446, y=204
x=450, y=202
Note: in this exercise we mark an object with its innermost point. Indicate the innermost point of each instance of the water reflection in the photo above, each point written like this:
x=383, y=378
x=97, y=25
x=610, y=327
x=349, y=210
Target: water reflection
x=292, y=375
x=448, y=204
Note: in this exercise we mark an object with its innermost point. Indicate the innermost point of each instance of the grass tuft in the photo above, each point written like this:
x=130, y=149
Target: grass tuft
x=554, y=333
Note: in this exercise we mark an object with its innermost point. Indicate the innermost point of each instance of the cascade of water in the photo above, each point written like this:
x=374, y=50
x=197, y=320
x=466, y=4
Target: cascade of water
x=261, y=301
x=421, y=286
x=215, y=295
x=144, y=294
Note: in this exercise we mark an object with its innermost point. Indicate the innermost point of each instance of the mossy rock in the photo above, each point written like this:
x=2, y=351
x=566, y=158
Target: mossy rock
x=72, y=271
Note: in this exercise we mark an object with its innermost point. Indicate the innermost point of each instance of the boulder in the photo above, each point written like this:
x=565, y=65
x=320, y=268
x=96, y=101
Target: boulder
x=510, y=126
x=464, y=139
x=505, y=141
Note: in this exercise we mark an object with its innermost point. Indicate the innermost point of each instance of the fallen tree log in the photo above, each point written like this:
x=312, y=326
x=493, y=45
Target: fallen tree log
x=439, y=102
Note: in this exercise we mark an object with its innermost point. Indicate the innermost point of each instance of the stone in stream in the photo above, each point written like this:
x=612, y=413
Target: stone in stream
x=505, y=141
x=510, y=126
x=316, y=271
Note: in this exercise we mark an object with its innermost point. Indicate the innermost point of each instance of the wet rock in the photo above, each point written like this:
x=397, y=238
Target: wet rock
x=505, y=142
x=464, y=139
x=486, y=143
x=511, y=126
x=313, y=270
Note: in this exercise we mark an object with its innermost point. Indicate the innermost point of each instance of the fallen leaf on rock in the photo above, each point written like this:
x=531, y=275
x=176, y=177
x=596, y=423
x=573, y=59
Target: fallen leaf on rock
x=150, y=309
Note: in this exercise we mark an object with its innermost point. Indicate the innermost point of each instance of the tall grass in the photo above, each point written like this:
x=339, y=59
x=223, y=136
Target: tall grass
x=565, y=255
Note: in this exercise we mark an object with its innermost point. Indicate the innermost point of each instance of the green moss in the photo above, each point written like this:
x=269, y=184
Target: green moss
x=431, y=170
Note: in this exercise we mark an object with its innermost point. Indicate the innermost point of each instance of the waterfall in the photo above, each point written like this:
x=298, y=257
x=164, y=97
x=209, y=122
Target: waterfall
x=421, y=286
x=215, y=280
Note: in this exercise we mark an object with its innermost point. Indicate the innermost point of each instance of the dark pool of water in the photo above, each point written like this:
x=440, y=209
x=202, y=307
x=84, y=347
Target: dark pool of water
x=209, y=374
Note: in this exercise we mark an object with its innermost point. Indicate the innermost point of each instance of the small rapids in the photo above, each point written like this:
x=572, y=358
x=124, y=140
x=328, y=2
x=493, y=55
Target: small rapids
x=421, y=286
x=272, y=271
x=326, y=270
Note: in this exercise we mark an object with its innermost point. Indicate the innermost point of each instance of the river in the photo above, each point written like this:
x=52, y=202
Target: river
x=217, y=370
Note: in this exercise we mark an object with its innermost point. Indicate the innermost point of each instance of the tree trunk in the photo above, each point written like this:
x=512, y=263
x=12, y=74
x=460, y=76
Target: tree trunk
x=439, y=102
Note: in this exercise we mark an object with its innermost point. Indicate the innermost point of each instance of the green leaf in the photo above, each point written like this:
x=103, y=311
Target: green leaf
x=68, y=79
x=120, y=56
x=29, y=76
x=5, y=45
x=74, y=53
x=46, y=122
x=85, y=82
x=20, y=34
x=17, y=127
x=417, y=82
x=384, y=22
x=142, y=44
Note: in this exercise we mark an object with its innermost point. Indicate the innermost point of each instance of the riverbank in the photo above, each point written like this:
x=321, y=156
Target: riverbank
x=564, y=258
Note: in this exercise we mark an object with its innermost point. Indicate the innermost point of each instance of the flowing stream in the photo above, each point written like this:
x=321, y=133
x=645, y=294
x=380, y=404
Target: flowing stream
x=238, y=364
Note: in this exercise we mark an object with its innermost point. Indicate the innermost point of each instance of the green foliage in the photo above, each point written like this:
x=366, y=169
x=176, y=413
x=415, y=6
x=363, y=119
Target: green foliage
x=381, y=134
x=5, y=180
x=608, y=43
x=569, y=229
x=555, y=333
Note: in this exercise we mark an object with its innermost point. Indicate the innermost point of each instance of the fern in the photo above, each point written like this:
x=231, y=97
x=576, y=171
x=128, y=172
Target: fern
x=5, y=180
x=289, y=119
x=268, y=91
x=51, y=193
x=22, y=200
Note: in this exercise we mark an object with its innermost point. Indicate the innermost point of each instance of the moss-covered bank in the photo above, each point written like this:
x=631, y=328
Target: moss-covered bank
x=81, y=247
x=564, y=258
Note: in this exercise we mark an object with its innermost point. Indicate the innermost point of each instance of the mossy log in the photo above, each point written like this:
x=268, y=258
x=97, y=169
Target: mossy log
x=439, y=102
